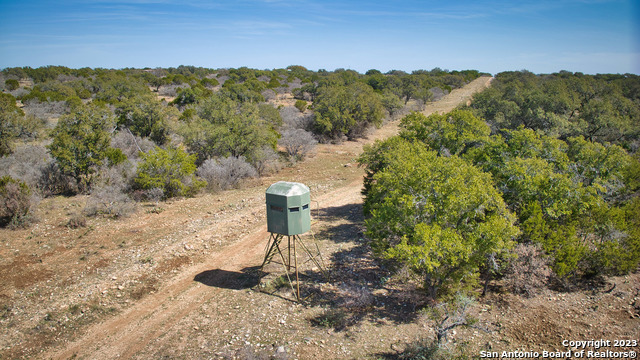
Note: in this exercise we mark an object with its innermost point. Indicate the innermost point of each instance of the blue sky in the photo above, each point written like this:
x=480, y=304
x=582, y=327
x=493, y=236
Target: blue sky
x=543, y=36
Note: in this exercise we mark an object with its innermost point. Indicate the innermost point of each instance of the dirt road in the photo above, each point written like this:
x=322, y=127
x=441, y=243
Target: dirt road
x=139, y=329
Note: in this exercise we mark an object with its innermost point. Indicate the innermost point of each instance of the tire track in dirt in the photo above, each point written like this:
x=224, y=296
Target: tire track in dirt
x=130, y=331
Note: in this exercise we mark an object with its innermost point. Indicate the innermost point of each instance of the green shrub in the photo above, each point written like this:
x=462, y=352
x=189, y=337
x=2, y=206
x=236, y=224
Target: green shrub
x=273, y=83
x=602, y=108
x=74, y=102
x=171, y=170
x=12, y=84
x=301, y=105
x=84, y=94
x=10, y=115
x=573, y=197
x=224, y=127
x=442, y=217
x=209, y=82
x=331, y=318
x=115, y=156
x=346, y=110
x=14, y=124
x=81, y=142
x=144, y=116
x=451, y=133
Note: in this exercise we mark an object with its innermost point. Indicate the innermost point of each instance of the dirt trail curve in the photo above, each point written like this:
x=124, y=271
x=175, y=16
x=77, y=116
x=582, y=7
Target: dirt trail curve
x=127, y=333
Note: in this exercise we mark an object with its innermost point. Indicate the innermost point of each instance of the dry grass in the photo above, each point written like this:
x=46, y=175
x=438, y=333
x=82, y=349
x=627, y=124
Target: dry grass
x=177, y=283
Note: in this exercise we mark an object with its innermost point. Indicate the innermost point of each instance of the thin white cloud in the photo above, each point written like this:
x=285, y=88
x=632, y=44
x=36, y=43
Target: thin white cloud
x=250, y=24
x=407, y=15
x=456, y=16
x=539, y=6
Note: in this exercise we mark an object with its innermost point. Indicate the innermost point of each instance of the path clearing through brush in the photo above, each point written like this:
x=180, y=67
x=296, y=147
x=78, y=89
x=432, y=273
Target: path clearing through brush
x=128, y=333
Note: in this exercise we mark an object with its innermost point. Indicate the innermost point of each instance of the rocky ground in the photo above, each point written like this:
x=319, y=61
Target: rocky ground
x=180, y=280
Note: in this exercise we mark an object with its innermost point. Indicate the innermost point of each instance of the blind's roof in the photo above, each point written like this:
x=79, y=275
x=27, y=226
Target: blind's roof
x=285, y=188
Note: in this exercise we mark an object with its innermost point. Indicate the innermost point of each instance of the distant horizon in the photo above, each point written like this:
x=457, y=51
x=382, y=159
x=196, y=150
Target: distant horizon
x=315, y=70
x=491, y=36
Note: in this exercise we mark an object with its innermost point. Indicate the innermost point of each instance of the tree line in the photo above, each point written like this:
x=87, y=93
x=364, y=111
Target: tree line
x=493, y=191
x=148, y=134
x=601, y=108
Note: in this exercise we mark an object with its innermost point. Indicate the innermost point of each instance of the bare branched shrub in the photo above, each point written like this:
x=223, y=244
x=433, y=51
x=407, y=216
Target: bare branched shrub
x=450, y=315
x=225, y=173
x=33, y=165
x=292, y=118
x=529, y=272
x=46, y=110
x=68, y=78
x=109, y=196
x=3, y=79
x=306, y=121
x=131, y=145
x=107, y=200
x=26, y=163
x=446, y=317
x=294, y=84
x=77, y=221
x=19, y=92
x=53, y=181
x=169, y=90
x=438, y=93
x=429, y=349
x=15, y=203
x=267, y=161
x=222, y=78
x=282, y=89
x=298, y=143
x=153, y=195
x=268, y=94
x=359, y=130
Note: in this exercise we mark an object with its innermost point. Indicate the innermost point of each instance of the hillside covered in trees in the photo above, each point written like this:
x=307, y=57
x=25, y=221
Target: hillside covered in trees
x=535, y=183
x=151, y=134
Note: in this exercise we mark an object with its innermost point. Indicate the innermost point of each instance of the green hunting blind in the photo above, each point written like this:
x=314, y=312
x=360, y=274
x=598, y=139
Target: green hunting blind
x=288, y=211
x=289, y=214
